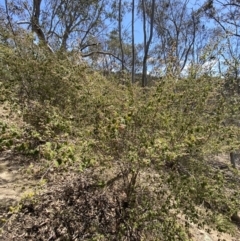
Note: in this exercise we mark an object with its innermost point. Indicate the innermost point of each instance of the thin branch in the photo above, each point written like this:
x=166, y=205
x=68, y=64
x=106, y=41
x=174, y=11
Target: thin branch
x=102, y=52
x=120, y=32
x=8, y=18
x=24, y=22
x=230, y=4
x=88, y=45
x=92, y=24
x=225, y=30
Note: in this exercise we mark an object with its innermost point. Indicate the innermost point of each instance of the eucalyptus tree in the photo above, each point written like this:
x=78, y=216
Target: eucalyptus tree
x=133, y=41
x=60, y=24
x=147, y=9
x=177, y=27
x=225, y=13
x=225, y=20
x=120, y=32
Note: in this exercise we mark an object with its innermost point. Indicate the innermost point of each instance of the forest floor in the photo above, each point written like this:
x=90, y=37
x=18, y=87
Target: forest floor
x=14, y=181
x=15, y=184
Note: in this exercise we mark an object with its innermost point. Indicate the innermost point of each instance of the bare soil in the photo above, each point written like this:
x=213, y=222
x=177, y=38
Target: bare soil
x=14, y=182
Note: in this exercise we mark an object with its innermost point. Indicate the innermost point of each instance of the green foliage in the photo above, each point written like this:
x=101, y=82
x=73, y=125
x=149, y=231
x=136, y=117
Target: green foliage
x=59, y=153
x=9, y=135
x=159, y=139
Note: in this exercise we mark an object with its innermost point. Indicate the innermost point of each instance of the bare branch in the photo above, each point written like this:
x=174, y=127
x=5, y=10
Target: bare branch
x=88, y=45
x=8, y=17
x=102, y=52
x=24, y=22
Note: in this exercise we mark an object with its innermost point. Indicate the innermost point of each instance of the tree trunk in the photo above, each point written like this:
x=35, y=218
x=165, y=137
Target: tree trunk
x=147, y=42
x=133, y=42
x=120, y=33
x=233, y=158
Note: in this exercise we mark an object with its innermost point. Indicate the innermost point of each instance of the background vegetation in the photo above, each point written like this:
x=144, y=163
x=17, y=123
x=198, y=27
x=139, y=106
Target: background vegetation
x=126, y=153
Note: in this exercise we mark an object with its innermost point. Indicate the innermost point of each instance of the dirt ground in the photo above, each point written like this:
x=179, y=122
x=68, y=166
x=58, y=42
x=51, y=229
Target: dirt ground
x=14, y=183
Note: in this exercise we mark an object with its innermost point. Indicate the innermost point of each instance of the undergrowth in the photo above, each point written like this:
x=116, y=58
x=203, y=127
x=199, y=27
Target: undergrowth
x=140, y=155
